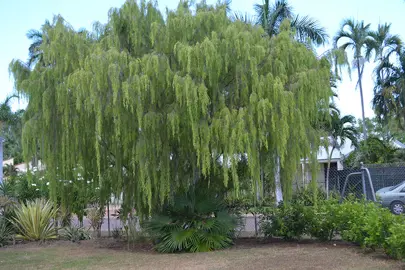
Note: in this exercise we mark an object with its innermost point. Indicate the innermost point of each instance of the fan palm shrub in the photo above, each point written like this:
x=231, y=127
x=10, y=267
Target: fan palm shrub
x=35, y=220
x=192, y=223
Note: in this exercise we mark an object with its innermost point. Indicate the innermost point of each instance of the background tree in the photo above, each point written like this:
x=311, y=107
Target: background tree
x=10, y=130
x=270, y=17
x=375, y=150
x=384, y=130
x=389, y=94
x=356, y=36
x=149, y=106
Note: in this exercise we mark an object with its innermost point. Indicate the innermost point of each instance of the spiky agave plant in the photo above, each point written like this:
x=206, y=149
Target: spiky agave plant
x=35, y=220
x=193, y=223
x=6, y=232
x=75, y=233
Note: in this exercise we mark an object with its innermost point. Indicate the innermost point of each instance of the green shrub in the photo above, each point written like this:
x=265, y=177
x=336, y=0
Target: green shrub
x=321, y=220
x=364, y=223
x=358, y=221
x=75, y=233
x=6, y=232
x=308, y=196
x=288, y=221
x=27, y=187
x=350, y=217
x=192, y=223
x=378, y=222
x=395, y=243
x=34, y=220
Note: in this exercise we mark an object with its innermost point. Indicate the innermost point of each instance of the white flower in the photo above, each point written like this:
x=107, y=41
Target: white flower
x=78, y=175
x=88, y=182
x=111, y=166
x=70, y=181
x=47, y=183
x=37, y=189
x=97, y=188
x=33, y=184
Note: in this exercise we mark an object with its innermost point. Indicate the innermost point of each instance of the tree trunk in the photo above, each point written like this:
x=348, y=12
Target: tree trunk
x=327, y=180
x=108, y=219
x=327, y=172
x=362, y=101
x=277, y=181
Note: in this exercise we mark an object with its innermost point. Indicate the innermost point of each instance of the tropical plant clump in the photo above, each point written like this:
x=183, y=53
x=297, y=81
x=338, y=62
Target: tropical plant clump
x=192, y=223
x=35, y=220
x=75, y=233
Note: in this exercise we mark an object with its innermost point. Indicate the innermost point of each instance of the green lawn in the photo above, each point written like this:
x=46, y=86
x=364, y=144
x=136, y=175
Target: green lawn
x=91, y=255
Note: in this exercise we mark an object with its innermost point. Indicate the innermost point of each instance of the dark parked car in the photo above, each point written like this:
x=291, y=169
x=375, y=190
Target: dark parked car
x=393, y=198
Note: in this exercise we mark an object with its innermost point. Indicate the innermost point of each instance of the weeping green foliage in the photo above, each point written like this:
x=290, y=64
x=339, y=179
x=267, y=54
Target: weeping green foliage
x=146, y=105
x=34, y=220
x=194, y=222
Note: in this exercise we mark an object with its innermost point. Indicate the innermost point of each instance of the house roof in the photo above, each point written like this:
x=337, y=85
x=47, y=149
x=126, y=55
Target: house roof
x=338, y=154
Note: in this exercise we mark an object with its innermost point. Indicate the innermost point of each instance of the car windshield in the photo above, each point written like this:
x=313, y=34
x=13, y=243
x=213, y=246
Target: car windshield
x=394, y=187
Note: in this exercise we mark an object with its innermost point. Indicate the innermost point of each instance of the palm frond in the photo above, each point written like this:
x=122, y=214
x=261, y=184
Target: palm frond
x=243, y=17
x=309, y=28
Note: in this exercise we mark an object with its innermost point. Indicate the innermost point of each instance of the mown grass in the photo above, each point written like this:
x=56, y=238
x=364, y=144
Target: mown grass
x=92, y=255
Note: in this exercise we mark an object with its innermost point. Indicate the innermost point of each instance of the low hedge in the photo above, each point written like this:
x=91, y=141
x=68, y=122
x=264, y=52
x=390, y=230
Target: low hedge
x=362, y=222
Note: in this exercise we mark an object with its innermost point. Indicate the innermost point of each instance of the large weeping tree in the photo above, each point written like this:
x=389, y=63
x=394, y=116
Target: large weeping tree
x=145, y=106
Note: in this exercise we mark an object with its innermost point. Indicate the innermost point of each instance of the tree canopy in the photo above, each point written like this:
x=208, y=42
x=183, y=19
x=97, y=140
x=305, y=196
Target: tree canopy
x=148, y=104
x=10, y=130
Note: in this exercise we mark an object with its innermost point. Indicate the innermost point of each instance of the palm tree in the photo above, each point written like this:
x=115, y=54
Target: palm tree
x=10, y=131
x=6, y=114
x=270, y=17
x=35, y=52
x=384, y=45
x=389, y=91
x=339, y=130
x=357, y=36
x=6, y=117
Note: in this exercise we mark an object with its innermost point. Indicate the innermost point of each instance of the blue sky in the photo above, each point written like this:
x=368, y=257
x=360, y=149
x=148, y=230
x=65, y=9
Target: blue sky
x=19, y=16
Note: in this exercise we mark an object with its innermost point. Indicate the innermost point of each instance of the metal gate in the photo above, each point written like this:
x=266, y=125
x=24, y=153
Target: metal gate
x=359, y=184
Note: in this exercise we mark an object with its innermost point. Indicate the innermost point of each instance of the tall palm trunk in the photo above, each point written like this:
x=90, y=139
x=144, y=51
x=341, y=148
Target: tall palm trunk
x=362, y=101
x=328, y=171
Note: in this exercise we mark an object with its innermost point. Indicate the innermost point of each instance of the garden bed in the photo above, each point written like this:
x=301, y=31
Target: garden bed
x=246, y=253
